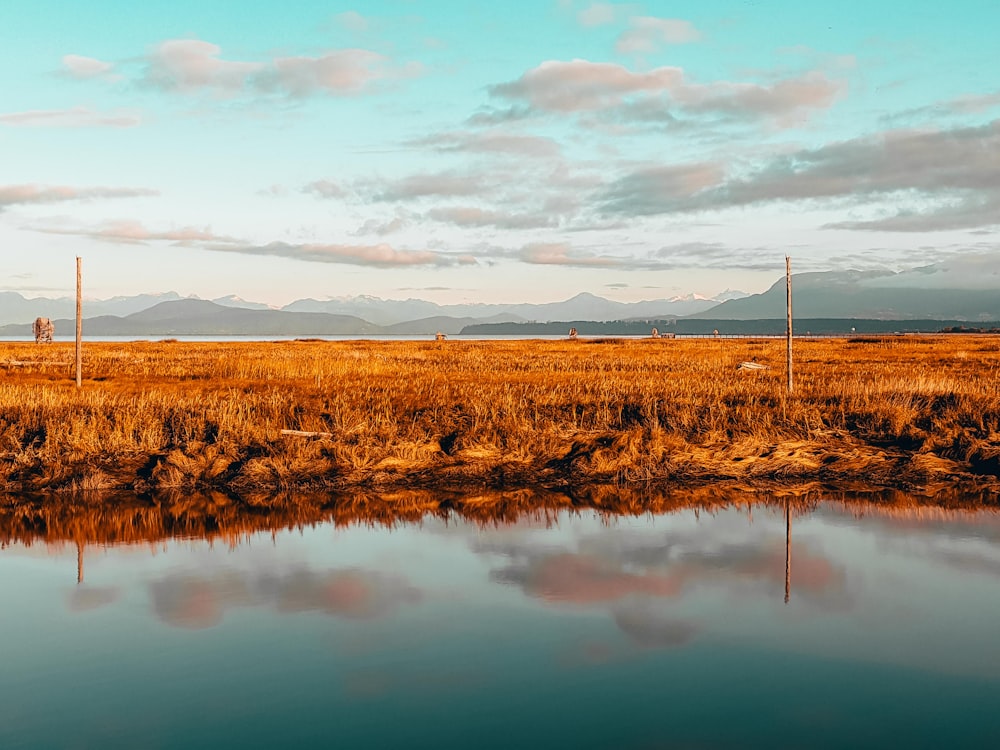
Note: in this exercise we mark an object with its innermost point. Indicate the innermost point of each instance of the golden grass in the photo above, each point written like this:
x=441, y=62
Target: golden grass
x=909, y=412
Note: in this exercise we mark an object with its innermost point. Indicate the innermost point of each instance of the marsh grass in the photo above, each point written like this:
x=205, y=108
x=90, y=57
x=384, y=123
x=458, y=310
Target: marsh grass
x=895, y=412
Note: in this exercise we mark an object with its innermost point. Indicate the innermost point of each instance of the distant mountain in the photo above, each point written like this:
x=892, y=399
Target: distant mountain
x=588, y=306
x=201, y=317
x=231, y=300
x=880, y=295
x=15, y=308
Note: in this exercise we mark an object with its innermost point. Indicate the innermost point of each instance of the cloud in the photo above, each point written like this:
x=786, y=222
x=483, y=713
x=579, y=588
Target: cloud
x=131, y=232
x=949, y=178
x=380, y=227
x=76, y=117
x=718, y=255
x=968, y=211
x=324, y=189
x=83, y=68
x=352, y=21
x=598, y=14
x=373, y=256
x=965, y=104
x=578, y=86
x=472, y=217
x=426, y=184
x=196, y=66
x=562, y=254
x=648, y=34
x=191, y=64
x=19, y=195
x=648, y=190
x=341, y=72
x=492, y=143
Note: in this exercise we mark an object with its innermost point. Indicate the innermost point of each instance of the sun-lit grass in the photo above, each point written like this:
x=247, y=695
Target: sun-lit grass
x=898, y=411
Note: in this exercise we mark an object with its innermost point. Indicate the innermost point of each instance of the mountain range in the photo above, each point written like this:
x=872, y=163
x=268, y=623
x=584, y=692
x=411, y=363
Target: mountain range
x=960, y=289
x=171, y=314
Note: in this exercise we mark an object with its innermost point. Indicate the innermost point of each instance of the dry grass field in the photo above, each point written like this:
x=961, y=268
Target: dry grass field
x=918, y=413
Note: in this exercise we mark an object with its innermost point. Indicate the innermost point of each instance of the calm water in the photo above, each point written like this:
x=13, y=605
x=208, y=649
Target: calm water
x=584, y=631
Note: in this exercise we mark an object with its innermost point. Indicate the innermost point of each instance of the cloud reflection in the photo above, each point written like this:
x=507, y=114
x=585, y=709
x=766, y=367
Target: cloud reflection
x=86, y=598
x=198, y=602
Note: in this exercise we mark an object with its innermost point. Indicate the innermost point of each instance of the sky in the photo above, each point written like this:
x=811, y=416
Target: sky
x=490, y=152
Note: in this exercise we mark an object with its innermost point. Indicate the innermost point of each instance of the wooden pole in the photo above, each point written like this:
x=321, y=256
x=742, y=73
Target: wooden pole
x=79, y=324
x=788, y=309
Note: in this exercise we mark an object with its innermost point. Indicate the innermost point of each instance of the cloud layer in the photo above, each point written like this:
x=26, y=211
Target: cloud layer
x=197, y=66
x=29, y=194
x=950, y=178
x=577, y=86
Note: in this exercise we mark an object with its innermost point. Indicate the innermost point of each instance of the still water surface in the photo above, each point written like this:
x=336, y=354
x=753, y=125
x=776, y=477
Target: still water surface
x=580, y=630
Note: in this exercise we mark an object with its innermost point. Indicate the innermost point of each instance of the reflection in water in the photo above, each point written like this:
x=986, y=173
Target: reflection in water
x=196, y=601
x=500, y=620
x=788, y=550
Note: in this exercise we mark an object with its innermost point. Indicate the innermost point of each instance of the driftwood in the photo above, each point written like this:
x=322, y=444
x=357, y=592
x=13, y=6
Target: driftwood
x=44, y=329
x=304, y=433
x=752, y=366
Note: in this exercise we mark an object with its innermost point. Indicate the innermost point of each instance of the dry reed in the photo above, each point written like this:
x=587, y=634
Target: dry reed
x=906, y=412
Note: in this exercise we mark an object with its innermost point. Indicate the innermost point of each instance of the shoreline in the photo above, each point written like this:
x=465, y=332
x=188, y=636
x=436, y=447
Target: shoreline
x=122, y=518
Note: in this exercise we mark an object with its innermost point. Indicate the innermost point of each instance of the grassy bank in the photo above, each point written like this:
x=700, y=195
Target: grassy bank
x=908, y=412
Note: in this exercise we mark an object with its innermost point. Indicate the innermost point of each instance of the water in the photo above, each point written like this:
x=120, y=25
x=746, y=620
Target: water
x=558, y=630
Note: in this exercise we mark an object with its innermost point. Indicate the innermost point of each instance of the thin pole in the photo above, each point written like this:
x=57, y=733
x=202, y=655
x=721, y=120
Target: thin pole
x=79, y=324
x=79, y=562
x=788, y=307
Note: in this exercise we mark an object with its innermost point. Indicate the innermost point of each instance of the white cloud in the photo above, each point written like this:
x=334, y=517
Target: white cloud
x=76, y=117
x=381, y=255
x=562, y=254
x=196, y=66
x=80, y=67
x=324, y=189
x=352, y=21
x=597, y=14
x=576, y=86
x=648, y=34
x=130, y=232
x=12, y=195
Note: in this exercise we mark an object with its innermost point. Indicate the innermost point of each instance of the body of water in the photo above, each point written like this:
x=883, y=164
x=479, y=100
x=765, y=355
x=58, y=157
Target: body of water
x=832, y=626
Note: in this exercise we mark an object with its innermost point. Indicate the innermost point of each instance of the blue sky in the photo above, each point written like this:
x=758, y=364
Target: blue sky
x=524, y=151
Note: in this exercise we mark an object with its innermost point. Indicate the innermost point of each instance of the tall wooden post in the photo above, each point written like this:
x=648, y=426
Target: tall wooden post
x=788, y=309
x=79, y=324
